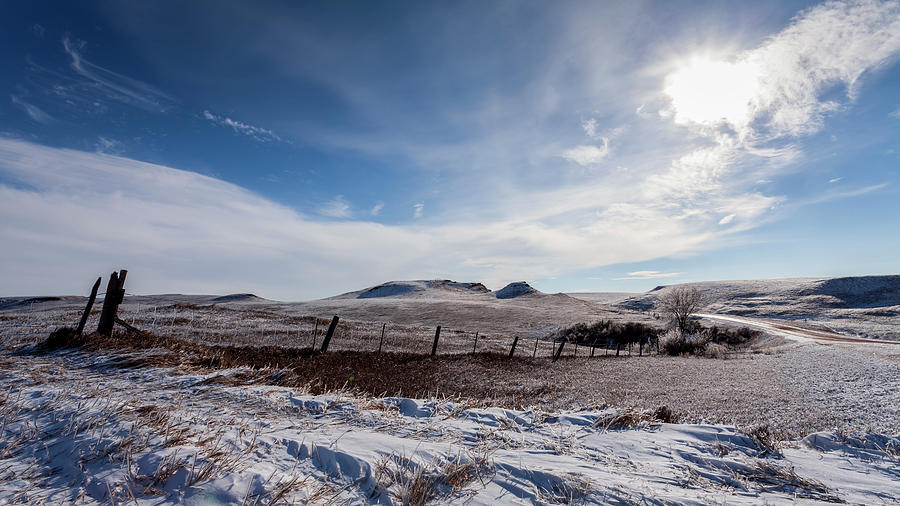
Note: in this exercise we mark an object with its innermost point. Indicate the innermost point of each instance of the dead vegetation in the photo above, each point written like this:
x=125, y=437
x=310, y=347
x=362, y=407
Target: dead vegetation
x=765, y=438
x=631, y=418
x=415, y=482
x=696, y=389
x=773, y=477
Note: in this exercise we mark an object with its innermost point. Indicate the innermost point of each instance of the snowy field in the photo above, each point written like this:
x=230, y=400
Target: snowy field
x=778, y=422
x=101, y=429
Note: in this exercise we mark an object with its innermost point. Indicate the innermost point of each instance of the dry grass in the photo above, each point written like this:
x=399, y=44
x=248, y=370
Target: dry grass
x=633, y=418
x=416, y=482
x=765, y=438
x=771, y=478
x=740, y=390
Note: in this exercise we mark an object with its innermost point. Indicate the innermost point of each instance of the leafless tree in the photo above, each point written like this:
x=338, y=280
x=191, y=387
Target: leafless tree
x=680, y=304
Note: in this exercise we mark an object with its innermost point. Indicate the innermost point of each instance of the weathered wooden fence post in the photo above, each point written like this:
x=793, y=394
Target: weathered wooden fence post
x=534, y=355
x=383, y=325
x=334, y=322
x=575, y=354
x=437, y=335
x=593, y=347
x=559, y=351
x=315, y=333
x=115, y=294
x=87, y=309
x=476, y=343
x=513, y=349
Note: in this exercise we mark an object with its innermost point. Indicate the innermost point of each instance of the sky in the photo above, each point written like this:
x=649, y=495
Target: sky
x=301, y=150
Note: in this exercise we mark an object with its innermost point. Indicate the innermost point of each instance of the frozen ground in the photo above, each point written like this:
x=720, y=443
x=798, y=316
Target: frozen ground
x=117, y=426
x=411, y=310
x=105, y=429
x=864, y=306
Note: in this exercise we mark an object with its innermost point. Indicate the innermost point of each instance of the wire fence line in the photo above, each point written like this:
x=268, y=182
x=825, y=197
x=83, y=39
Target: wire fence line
x=220, y=325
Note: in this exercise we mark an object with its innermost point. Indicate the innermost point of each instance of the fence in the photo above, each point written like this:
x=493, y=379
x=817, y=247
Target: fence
x=216, y=324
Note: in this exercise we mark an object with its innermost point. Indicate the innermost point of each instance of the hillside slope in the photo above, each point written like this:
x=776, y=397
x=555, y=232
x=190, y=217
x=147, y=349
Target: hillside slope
x=863, y=305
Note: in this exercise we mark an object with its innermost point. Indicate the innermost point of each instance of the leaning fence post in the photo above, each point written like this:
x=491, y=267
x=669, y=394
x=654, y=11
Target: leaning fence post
x=87, y=309
x=334, y=322
x=476, y=343
x=383, y=325
x=559, y=351
x=534, y=355
x=437, y=335
x=513, y=349
x=315, y=333
x=115, y=293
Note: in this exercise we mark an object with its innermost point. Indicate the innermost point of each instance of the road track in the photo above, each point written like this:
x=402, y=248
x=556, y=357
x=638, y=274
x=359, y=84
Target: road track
x=795, y=332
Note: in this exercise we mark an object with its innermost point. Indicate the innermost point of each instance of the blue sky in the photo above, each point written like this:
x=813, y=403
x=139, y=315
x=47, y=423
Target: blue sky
x=298, y=150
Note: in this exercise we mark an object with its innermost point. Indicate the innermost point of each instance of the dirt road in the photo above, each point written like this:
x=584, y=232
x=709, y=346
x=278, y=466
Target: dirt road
x=793, y=331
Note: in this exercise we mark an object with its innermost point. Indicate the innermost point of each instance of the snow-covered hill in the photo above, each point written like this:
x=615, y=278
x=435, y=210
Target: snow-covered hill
x=863, y=305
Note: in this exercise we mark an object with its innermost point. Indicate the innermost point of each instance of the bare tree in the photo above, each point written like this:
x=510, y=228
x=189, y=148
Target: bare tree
x=680, y=304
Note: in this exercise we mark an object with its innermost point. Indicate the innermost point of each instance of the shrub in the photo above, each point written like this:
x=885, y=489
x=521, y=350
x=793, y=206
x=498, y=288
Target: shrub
x=605, y=332
x=676, y=343
x=715, y=350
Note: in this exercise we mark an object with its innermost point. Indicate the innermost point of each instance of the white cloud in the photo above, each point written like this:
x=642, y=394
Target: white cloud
x=109, y=146
x=33, y=112
x=112, y=85
x=895, y=113
x=418, y=210
x=590, y=127
x=258, y=133
x=187, y=232
x=776, y=89
x=742, y=108
x=834, y=180
x=336, y=208
x=587, y=154
x=648, y=275
x=376, y=209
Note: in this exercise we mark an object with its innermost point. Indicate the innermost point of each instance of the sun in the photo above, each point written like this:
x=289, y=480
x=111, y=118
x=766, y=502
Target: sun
x=709, y=92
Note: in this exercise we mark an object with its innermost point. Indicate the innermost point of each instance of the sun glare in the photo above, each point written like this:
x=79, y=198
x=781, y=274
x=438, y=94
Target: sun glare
x=710, y=91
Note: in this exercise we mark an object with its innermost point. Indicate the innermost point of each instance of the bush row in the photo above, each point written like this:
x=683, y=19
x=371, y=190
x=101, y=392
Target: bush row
x=607, y=333
x=698, y=340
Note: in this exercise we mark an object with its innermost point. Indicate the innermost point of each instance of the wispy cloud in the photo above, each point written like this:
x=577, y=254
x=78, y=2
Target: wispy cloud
x=33, y=111
x=337, y=207
x=109, y=146
x=112, y=85
x=834, y=180
x=62, y=202
x=586, y=155
x=782, y=82
x=727, y=219
x=648, y=275
x=895, y=113
x=840, y=195
x=258, y=133
x=376, y=209
x=749, y=109
x=590, y=127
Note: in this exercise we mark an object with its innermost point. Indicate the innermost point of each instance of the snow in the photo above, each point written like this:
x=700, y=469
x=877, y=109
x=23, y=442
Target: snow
x=422, y=289
x=863, y=306
x=78, y=427
x=514, y=290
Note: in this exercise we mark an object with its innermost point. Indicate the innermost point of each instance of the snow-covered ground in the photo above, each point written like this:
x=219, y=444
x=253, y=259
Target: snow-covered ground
x=864, y=306
x=101, y=429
